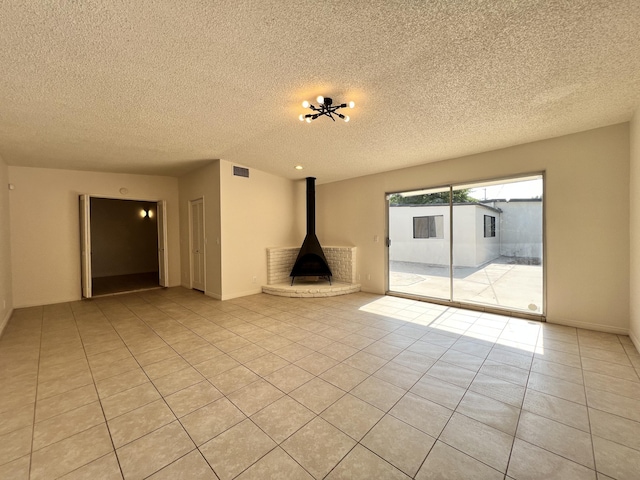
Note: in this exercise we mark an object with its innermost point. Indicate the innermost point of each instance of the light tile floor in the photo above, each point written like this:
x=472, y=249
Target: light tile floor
x=169, y=384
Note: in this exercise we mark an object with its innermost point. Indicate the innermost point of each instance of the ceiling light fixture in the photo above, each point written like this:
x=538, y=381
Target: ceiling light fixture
x=325, y=107
x=298, y=167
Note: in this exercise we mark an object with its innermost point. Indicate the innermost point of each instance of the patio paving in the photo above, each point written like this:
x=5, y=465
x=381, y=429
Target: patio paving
x=501, y=283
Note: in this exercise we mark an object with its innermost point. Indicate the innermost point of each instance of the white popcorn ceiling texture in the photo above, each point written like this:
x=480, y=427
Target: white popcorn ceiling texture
x=163, y=86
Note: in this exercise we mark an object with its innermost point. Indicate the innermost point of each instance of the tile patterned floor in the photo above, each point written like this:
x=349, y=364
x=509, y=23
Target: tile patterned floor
x=169, y=384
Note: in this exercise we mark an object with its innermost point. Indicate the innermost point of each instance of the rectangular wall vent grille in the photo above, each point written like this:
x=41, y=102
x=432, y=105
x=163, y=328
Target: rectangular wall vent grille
x=241, y=172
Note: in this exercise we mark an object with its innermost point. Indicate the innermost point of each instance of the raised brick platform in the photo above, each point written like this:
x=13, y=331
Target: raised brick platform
x=306, y=288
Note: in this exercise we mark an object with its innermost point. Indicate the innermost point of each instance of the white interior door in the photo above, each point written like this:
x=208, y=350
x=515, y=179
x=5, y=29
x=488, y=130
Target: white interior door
x=163, y=254
x=85, y=245
x=196, y=209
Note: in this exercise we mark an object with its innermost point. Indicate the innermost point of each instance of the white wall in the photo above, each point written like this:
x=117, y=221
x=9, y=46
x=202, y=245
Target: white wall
x=587, y=268
x=466, y=236
x=634, y=284
x=6, y=291
x=45, y=239
x=521, y=229
x=405, y=248
x=486, y=248
x=256, y=212
x=202, y=183
x=470, y=248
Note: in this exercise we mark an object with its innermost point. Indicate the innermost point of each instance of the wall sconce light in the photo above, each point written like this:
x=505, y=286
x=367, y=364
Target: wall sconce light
x=146, y=213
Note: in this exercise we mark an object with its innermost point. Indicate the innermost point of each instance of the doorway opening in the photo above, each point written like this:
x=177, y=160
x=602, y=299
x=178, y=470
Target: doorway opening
x=478, y=244
x=122, y=245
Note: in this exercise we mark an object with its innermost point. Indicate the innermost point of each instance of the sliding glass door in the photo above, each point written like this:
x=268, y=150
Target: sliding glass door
x=479, y=243
x=420, y=243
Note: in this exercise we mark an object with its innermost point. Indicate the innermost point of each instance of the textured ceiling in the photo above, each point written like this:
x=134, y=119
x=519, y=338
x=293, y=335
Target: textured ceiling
x=163, y=86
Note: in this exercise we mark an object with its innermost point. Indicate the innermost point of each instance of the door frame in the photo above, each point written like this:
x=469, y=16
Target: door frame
x=204, y=243
x=85, y=239
x=163, y=253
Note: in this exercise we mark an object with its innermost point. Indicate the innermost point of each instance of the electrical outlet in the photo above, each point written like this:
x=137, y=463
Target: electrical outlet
x=255, y=279
x=376, y=238
x=368, y=276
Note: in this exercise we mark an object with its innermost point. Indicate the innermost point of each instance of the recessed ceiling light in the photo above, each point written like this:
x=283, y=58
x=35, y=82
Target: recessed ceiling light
x=298, y=167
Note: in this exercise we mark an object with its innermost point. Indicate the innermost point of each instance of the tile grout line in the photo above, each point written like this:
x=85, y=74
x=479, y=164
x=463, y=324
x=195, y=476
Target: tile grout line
x=317, y=415
x=462, y=397
x=586, y=400
x=97, y=393
x=150, y=381
x=524, y=397
x=206, y=379
x=35, y=400
x=300, y=323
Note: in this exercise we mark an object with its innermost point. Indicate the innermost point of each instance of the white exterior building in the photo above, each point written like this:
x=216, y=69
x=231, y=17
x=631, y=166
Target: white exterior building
x=482, y=232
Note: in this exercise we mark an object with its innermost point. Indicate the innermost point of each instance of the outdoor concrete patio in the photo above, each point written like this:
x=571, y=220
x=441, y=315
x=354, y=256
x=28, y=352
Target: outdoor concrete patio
x=501, y=283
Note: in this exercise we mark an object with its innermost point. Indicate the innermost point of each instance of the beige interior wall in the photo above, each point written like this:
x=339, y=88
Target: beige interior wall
x=256, y=213
x=202, y=183
x=586, y=207
x=634, y=227
x=45, y=232
x=6, y=293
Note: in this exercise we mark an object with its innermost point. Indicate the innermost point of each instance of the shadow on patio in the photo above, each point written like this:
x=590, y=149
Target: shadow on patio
x=504, y=282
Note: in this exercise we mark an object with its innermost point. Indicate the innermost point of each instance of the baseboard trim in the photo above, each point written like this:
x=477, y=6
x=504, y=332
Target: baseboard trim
x=217, y=296
x=241, y=294
x=635, y=340
x=5, y=321
x=52, y=302
x=599, y=327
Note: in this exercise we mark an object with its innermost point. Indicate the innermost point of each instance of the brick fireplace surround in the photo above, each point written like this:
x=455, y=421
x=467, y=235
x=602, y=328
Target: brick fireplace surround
x=341, y=260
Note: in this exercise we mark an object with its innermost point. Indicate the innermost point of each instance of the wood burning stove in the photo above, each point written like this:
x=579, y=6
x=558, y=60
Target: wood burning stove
x=311, y=261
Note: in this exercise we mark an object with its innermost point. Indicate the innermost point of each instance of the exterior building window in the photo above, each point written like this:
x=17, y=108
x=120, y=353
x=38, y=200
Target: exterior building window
x=489, y=226
x=428, y=227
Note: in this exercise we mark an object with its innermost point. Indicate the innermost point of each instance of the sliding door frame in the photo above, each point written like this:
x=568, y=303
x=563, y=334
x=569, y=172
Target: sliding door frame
x=462, y=304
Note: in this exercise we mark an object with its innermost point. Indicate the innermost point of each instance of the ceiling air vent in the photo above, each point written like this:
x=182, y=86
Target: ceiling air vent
x=241, y=172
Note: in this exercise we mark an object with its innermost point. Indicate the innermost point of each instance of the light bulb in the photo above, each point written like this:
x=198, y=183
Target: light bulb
x=298, y=167
x=305, y=104
x=308, y=119
x=352, y=104
x=150, y=214
x=301, y=117
x=347, y=118
x=320, y=99
x=143, y=213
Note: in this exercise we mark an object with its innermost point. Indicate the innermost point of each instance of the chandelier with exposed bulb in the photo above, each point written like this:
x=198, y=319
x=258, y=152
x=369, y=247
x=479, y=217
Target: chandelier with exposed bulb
x=325, y=107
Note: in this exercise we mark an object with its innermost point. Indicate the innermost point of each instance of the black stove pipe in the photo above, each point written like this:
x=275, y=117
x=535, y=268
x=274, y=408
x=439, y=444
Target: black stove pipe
x=311, y=206
x=311, y=261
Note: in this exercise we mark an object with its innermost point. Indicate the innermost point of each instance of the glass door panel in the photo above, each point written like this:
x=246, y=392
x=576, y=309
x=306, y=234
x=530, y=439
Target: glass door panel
x=419, y=249
x=497, y=244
